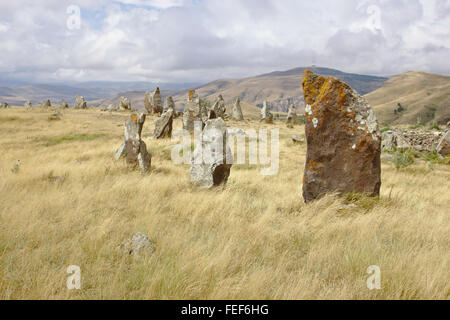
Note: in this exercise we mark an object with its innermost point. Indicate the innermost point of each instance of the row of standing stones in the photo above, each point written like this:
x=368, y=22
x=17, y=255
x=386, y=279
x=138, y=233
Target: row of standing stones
x=342, y=133
x=343, y=138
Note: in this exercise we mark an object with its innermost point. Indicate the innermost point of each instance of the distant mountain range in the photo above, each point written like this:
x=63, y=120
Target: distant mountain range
x=423, y=97
x=17, y=93
x=278, y=88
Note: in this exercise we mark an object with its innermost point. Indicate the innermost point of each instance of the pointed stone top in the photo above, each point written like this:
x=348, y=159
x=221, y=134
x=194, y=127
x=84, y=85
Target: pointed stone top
x=157, y=90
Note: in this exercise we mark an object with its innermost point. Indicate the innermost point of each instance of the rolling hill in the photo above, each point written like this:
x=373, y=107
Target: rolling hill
x=424, y=98
x=277, y=87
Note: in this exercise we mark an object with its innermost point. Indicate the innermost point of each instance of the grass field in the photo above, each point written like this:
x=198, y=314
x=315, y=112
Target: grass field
x=254, y=239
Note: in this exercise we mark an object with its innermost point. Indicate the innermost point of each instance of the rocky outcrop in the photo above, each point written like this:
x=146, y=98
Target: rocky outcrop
x=212, y=159
x=420, y=140
x=343, y=140
x=266, y=115
x=237, y=111
x=133, y=147
x=163, y=125
x=124, y=104
x=28, y=105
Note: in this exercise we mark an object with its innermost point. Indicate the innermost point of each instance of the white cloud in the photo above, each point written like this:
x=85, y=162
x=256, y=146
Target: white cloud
x=193, y=40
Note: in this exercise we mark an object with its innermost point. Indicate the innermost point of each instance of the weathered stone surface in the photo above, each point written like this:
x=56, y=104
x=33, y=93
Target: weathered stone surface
x=112, y=107
x=237, y=111
x=80, y=103
x=421, y=140
x=163, y=125
x=292, y=116
x=139, y=244
x=212, y=158
x=170, y=104
x=148, y=103
x=343, y=140
x=393, y=140
x=133, y=147
x=266, y=115
x=218, y=108
x=64, y=104
x=28, y=105
x=192, y=112
x=443, y=147
x=157, y=102
x=124, y=104
x=297, y=139
x=46, y=104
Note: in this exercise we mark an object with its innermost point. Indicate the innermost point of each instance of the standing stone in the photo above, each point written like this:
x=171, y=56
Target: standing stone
x=192, y=111
x=124, y=104
x=170, y=104
x=212, y=158
x=64, y=104
x=28, y=105
x=80, y=103
x=218, y=108
x=237, y=111
x=266, y=115
x=148, y=103
x=157, y=102
x=292, y=116
x=343, y=140
x=163, y=125
x=134, y=148
x=46, y=104
x=443, y=147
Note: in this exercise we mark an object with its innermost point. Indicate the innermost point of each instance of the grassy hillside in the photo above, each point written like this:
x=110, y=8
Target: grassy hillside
x=425, y=98
x=254, y=239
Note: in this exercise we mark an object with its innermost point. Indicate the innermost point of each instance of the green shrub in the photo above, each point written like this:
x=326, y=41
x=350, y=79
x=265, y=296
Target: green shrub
x=404, y=158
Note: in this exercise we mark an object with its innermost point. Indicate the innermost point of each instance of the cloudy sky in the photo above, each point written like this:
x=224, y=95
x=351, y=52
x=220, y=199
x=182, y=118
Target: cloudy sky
x=203, y=40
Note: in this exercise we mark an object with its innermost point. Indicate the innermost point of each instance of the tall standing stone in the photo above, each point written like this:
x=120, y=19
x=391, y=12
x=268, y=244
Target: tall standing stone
x=124, y=104
x=237, y=111
x=292, y=116
x=219, y=107
x=266, y=115
x=212, y=158
x=170, y=104
x=133, y=147
x=64, y=104
x=343, y=140
x=80, y=103
x=46, y=104
x=443, y=147
x=163, y=125
x=157, y=102
x=192, y=111
x=148, y=103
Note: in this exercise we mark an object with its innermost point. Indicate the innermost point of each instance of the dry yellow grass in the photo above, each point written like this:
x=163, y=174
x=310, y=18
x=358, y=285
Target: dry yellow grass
x=255, y=239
